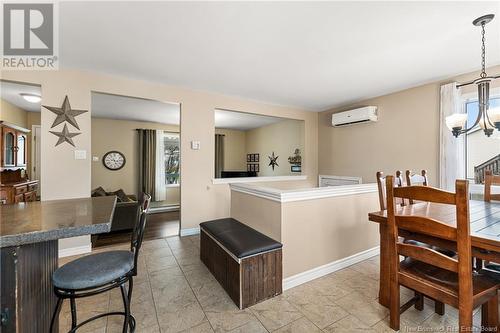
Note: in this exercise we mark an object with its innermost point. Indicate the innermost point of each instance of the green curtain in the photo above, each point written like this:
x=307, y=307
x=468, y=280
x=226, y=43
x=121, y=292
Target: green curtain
x=147, y=161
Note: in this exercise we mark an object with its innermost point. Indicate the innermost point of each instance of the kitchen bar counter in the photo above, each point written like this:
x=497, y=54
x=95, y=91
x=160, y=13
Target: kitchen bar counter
x=40, y=221
x=29, y=234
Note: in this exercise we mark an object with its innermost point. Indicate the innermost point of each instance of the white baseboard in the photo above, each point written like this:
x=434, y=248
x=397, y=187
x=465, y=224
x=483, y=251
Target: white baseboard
x=73, y=251
x=190, y=232
x=320, y=271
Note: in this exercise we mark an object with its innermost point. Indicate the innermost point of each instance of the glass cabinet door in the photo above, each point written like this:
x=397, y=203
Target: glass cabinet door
x=9, y=148
x=21, y=150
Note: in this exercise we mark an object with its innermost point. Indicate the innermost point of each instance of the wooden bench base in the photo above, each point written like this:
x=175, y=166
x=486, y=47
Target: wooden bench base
x=248, y=280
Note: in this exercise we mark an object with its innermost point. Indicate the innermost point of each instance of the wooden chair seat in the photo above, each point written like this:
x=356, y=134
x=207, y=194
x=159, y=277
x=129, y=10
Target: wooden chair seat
x=446, y=282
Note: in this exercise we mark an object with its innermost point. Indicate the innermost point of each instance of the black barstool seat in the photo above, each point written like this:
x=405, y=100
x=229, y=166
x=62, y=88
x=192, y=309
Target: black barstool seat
x=94, y=270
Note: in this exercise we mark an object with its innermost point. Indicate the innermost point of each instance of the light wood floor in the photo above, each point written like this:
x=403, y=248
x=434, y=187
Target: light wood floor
x=158, y=225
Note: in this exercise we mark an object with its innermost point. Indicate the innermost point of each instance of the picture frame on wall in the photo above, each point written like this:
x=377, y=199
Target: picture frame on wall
x=249, y=167
x=257, y=167
x=256, y=158
x=252, y=167
x=249, y=156
x=252, y=158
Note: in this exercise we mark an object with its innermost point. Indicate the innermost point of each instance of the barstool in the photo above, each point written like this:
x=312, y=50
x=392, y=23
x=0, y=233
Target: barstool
x=100, y=272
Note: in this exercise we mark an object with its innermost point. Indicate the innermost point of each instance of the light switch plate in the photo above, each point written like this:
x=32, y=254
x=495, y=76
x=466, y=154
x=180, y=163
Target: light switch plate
x=95, y=158
x=80, y=154
x=195, y=145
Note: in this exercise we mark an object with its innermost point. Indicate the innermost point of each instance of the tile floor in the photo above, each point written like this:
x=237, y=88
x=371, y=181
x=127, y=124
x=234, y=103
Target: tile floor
x=174, y=292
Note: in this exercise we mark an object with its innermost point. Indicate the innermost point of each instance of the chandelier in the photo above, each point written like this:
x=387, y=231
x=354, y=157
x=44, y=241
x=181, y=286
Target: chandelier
x=487, y=119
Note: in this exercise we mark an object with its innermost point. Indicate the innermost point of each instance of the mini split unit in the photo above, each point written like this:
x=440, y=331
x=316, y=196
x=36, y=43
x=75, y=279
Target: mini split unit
x=356, y=116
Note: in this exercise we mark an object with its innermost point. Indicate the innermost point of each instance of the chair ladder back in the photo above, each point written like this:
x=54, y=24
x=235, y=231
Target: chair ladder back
x=381, y=188
x=428, y=256
x=489, y=180
x=427, y=226
x=138, y=233
x=425, y=193
x=415, y=179
x=463, y=265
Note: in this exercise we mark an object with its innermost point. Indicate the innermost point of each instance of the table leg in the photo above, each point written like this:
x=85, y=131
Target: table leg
x=489, y=315
x=383, y=294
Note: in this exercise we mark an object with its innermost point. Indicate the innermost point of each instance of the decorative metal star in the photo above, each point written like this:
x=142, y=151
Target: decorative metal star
x=65, y=136
x=65, y=113
x=273, y=160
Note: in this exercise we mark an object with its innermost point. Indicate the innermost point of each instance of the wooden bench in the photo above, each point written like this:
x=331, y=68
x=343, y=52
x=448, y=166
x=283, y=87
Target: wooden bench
x=246, y=263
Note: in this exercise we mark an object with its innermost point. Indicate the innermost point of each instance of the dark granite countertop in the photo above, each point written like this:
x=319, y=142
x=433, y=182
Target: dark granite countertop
x=40, y=221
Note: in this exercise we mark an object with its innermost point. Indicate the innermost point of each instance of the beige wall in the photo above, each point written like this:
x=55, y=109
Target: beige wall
x=318, y=232
x=313, y=232
x=282, y=138
x=201, y=200
x=32, y=118
x=234, y=149
x=121, y=135
x=405, y=137
x=261, y=214
x=13, y=114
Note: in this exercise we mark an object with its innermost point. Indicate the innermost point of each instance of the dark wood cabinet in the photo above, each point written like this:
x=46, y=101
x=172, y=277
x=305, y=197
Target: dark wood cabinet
x=19, y=191
x=15, y=186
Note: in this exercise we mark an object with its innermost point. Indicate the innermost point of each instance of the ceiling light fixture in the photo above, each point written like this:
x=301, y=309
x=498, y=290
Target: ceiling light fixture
x=32, y=98
x=488, y=120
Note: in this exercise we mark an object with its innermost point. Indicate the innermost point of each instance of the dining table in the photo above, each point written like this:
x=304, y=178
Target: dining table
x=484, y=228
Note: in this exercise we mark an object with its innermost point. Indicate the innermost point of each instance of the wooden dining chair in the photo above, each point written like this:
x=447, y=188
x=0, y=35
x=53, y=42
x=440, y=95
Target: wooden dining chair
x=416, y=179
x=398, y=181
x=489, y=180
x=425, y=270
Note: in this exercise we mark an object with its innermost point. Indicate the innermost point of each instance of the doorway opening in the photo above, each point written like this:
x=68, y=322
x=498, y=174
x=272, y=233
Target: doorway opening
x=136, y=148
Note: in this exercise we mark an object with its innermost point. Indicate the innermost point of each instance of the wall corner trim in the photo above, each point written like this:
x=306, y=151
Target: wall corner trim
x=331, y=267
x=190, y=231
x=303, y=194
x=73, y=251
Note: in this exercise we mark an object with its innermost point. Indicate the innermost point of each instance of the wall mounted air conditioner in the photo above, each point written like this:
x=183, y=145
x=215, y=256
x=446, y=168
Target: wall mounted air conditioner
x=356, y=116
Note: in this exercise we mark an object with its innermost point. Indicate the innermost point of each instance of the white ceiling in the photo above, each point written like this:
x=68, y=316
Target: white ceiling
x=136, y=109
x=313, y=55
x=242, y=121
x=11, y=93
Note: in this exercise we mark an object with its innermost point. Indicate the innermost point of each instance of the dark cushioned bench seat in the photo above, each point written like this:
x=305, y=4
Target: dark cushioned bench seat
x=247, y=263
x=238, y=238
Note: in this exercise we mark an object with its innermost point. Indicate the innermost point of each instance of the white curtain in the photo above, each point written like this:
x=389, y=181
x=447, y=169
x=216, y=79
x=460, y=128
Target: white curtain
x=451, y=149
x=160, y=188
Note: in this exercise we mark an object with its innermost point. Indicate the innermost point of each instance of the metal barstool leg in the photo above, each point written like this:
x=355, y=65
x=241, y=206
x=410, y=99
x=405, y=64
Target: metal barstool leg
x=55, y=315
x=126, y=305
x=130, y=288
x=73, y=311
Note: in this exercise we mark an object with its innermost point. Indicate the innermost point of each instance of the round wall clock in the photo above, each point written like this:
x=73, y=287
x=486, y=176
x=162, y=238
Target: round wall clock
x=113, y=160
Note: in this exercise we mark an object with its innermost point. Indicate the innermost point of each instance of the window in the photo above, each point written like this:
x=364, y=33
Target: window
x=479, y=148
x=172, y=153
